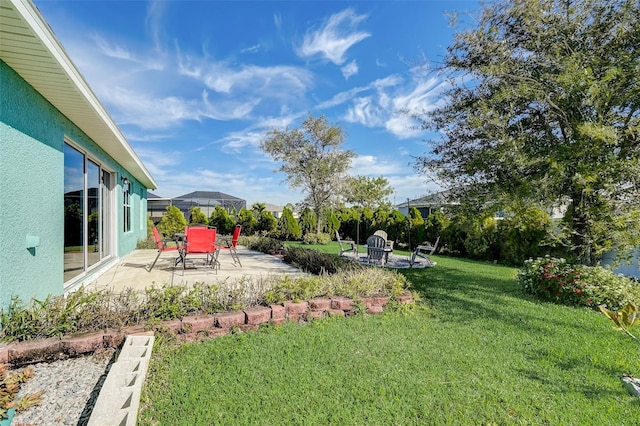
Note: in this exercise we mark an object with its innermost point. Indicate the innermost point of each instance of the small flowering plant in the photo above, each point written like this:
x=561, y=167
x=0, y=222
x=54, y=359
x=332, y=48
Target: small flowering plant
x=556, y=280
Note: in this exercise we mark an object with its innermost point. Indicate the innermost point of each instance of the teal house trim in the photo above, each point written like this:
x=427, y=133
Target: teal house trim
x=73, y=193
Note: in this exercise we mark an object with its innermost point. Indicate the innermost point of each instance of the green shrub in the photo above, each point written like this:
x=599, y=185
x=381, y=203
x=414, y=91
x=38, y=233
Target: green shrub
x=248, y=221
x=435, y=223
x=522, y=235
x=332, y=222
x=556, y=280
x=353, y=283
x=266, y=222
x=150, y=226
x=221, y=220
x=261, y=244
x=316, y=239
x=288, y=228
x=85, y=311
x=307, y=221
x=148, y=243
x=315, y=262
x=172, y=222
x=56, y=316
x=197, y=217
x=416, y=227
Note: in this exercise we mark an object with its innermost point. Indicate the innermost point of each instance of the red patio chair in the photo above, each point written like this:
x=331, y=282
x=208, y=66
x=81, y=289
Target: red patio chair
x=201, y=240
x=231, y=245
x=162, y=247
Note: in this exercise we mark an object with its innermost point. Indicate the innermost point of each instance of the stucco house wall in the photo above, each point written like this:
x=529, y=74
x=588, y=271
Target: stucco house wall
x=58, y=146
x=32, y=135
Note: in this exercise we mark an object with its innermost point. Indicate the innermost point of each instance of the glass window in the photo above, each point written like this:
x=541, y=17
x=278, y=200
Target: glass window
x=86, y=213
x=73, y=213
x=93, y=213
x=126, y=202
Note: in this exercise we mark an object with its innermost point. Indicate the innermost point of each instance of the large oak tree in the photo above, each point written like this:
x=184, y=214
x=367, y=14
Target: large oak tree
x=312, y=158
x=544, y=110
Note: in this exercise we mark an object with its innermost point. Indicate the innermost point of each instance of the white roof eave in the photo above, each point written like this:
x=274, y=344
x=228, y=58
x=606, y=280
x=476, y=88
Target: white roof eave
x=26, y=43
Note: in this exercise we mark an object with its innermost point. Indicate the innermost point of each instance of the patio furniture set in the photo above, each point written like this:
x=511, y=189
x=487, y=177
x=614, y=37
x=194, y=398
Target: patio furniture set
x=379, y=247
x=197, y=243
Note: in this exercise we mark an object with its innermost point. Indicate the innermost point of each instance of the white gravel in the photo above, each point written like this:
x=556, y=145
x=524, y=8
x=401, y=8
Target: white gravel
x=70, y=389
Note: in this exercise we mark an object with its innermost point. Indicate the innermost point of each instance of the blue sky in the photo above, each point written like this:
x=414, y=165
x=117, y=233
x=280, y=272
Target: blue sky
x=196, y=85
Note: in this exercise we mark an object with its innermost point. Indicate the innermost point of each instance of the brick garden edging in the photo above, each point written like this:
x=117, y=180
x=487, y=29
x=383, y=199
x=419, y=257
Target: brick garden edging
x=190, y=328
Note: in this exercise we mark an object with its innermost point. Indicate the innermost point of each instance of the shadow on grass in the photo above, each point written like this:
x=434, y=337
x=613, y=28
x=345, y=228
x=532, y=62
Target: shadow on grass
x=462, y=290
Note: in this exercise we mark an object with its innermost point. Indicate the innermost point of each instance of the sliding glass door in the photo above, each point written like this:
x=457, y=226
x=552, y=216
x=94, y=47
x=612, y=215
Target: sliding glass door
x=87, y=199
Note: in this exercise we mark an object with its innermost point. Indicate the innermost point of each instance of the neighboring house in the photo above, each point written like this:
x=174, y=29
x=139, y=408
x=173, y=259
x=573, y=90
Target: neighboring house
x=427, y=204
x=275, y=210
x=205, y=200
x=72, y=190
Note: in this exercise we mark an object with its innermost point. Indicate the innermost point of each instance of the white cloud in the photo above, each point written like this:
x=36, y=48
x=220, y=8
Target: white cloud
x=274, y=81
x=248, y=186
x=236, y=140
x=402, y=126
x=251, y=49
x=365, y=112
x=277, y=21
x=369, y=165
x=350, y=69
x=148, y=111
x=341, y=98
x=153, y=22
x=334, y=38
x=113, y=51
x=410, y=186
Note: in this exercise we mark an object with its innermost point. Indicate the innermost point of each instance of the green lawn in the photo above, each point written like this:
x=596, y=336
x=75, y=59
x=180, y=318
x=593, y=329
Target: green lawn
x=334, y=248
x=477, y=351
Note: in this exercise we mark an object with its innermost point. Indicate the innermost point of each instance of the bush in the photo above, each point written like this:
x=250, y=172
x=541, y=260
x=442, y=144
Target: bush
x=266, y=222
x=522, y=235
x=261, y=244
x=315, y=262
x=416, y=228
x=556, y=280
x=248, y=221
x=85, y=311
x=435, y=223
x=197, y=217
x=307, y=221
x=316, y=239
x=288, y=227
x=172, y=222
x=148, y=243
x=221, y=220
x=357, y=283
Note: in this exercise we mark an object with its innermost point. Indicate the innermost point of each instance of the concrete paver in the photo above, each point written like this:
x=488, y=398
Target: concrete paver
x=131, y=270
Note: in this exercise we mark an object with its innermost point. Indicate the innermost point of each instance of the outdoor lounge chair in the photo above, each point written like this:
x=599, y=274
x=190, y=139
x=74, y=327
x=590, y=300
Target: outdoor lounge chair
x=377, y=249
x=343, y=249
x=425, y=250
x=383, y=234
x=231, y=245
x=162, y=247
x=200, y=240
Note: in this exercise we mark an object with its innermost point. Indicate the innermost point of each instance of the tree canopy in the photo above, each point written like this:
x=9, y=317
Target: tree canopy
x=368, y=192
x=312, y=158
x=543, y=110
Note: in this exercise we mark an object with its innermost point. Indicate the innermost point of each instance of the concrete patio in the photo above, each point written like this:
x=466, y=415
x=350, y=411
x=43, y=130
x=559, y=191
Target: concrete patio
x=131, y=270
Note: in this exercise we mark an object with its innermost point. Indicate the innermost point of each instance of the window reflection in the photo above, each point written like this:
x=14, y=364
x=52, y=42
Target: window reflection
x=73, y=213
x=86, y=209
x=93, y=213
